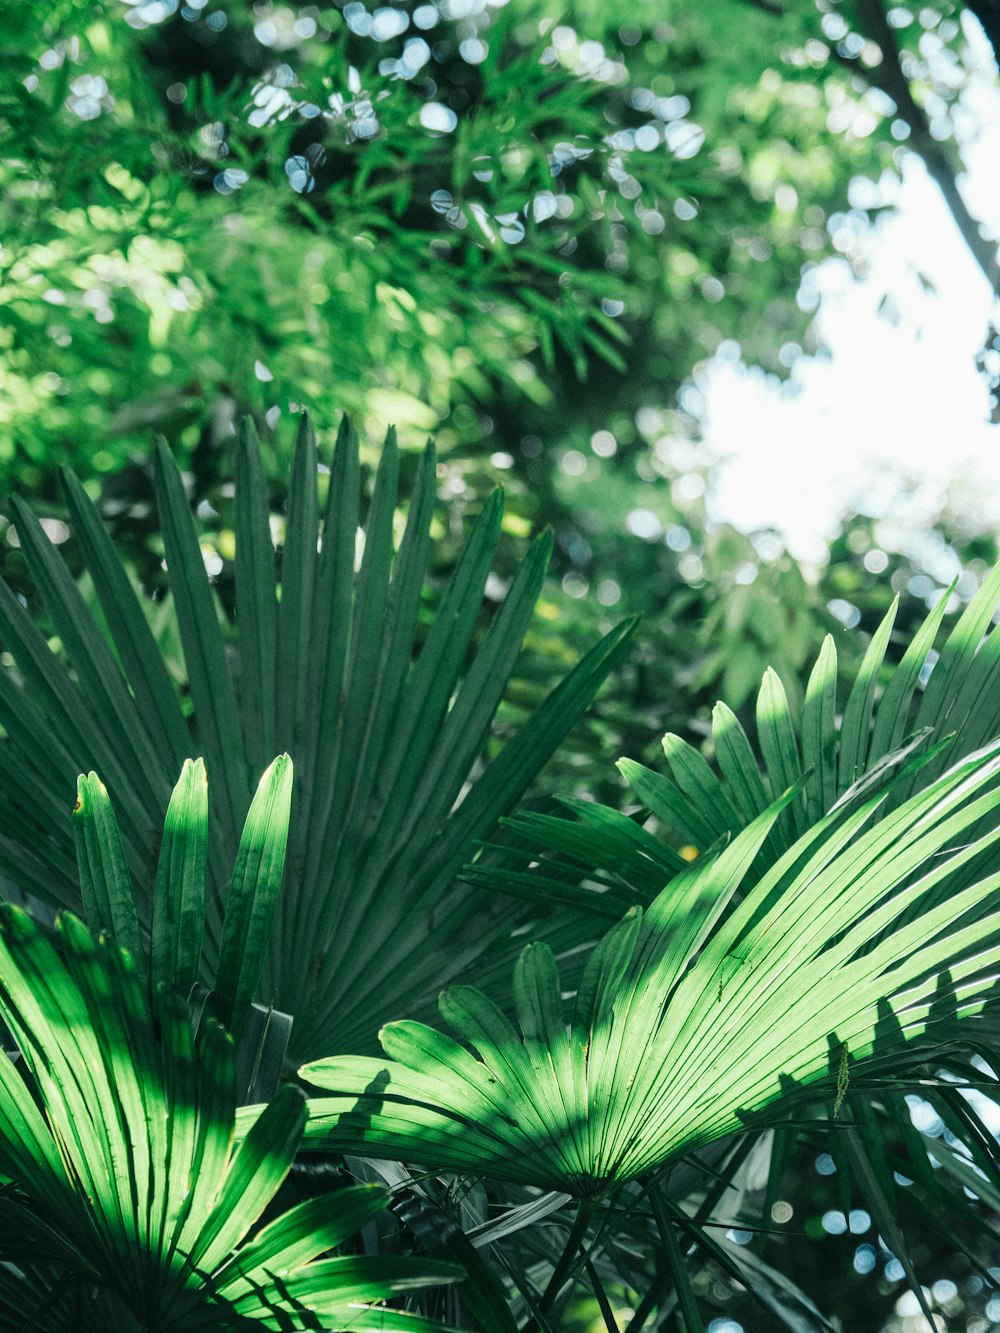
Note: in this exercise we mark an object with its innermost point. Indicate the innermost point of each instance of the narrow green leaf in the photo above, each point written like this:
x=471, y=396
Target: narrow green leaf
x=99, y=677
x=778, y=745
x=662, y=798
x=692, y=1321
x=260, y=1165
x=864, y=1152
x=467, y=724
x=256, y=605
x=216, y=714
x=433, y=679
x=855, y=730
x=179, y=889
x=892, y=721
x=253, y=892
x=958, y=651
x=74, y=726
x=699, y=784
x=105, y=882
x=298, y=585
x=819, y=733
x=738, y=763
x=141, y=658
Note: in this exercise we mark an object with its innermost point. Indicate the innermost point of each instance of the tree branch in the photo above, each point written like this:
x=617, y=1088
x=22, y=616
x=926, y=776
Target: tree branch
x=890, y=78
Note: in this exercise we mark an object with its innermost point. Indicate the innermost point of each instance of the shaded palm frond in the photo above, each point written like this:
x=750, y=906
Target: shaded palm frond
x=387, y=725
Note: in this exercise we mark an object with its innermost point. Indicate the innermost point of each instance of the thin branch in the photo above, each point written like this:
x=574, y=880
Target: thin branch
x=890, y=78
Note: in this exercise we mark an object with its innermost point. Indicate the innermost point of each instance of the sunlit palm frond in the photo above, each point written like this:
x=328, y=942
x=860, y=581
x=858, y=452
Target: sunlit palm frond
x=838, y=963
x=117, y=1136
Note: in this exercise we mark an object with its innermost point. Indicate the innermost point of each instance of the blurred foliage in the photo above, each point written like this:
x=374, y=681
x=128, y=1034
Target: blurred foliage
x=518, y=227
x=407, y=210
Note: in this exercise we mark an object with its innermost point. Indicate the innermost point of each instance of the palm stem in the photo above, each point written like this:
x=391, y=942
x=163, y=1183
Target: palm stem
x=574, y=1241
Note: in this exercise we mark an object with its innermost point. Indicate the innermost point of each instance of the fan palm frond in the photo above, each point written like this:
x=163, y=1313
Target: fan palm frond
x=691, y=1022
x=840, y=745
x=387, y=726
x=116, y=1133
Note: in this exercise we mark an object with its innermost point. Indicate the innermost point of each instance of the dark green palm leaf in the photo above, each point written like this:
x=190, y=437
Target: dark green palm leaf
x=387, y=727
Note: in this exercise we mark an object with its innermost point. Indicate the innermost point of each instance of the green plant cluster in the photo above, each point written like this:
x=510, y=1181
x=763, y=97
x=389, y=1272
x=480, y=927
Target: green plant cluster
x=652, y=1008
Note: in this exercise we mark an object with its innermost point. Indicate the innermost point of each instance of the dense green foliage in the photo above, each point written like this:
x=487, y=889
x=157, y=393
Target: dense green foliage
x=719, y=1046
x=772, y=960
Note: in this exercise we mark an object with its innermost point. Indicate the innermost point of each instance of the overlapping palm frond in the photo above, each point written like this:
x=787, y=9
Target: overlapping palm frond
x=693, y=1020
x=892, y=735
x=840, y=750
x=128, y=1205
x=387, y=725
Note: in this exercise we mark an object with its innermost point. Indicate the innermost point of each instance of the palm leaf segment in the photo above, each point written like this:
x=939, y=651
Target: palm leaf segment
x=384, y=738
x=119, y=1144
x=834, y=963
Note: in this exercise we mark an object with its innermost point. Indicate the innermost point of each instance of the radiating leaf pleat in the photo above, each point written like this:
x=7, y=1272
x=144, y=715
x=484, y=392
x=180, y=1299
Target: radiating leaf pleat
x=74, y=725
x=105, y=882
x=779, y=747
x=99, y=677
x=256, y=605
x=819, y=733
x=699, y=784
x=179, y=888
x=299, y=558
x=141, y=659
x=260, y=1165
x=218, y=725
x=737, y=762
x=667, y=804
x=253, y=894
x=855, y=730
x=893, y=719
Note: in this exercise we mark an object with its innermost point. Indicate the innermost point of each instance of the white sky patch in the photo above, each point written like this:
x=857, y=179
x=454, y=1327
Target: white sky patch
x=897, y=416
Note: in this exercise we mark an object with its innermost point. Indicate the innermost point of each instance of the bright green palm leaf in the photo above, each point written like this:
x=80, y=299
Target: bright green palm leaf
x=675, y=1042
x=105, y=882
x=254, y=890
x=695, y=779
x=179, y=888
x=819, y=736
x=738, y=763
x=855, y=730
x=125, y=1172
